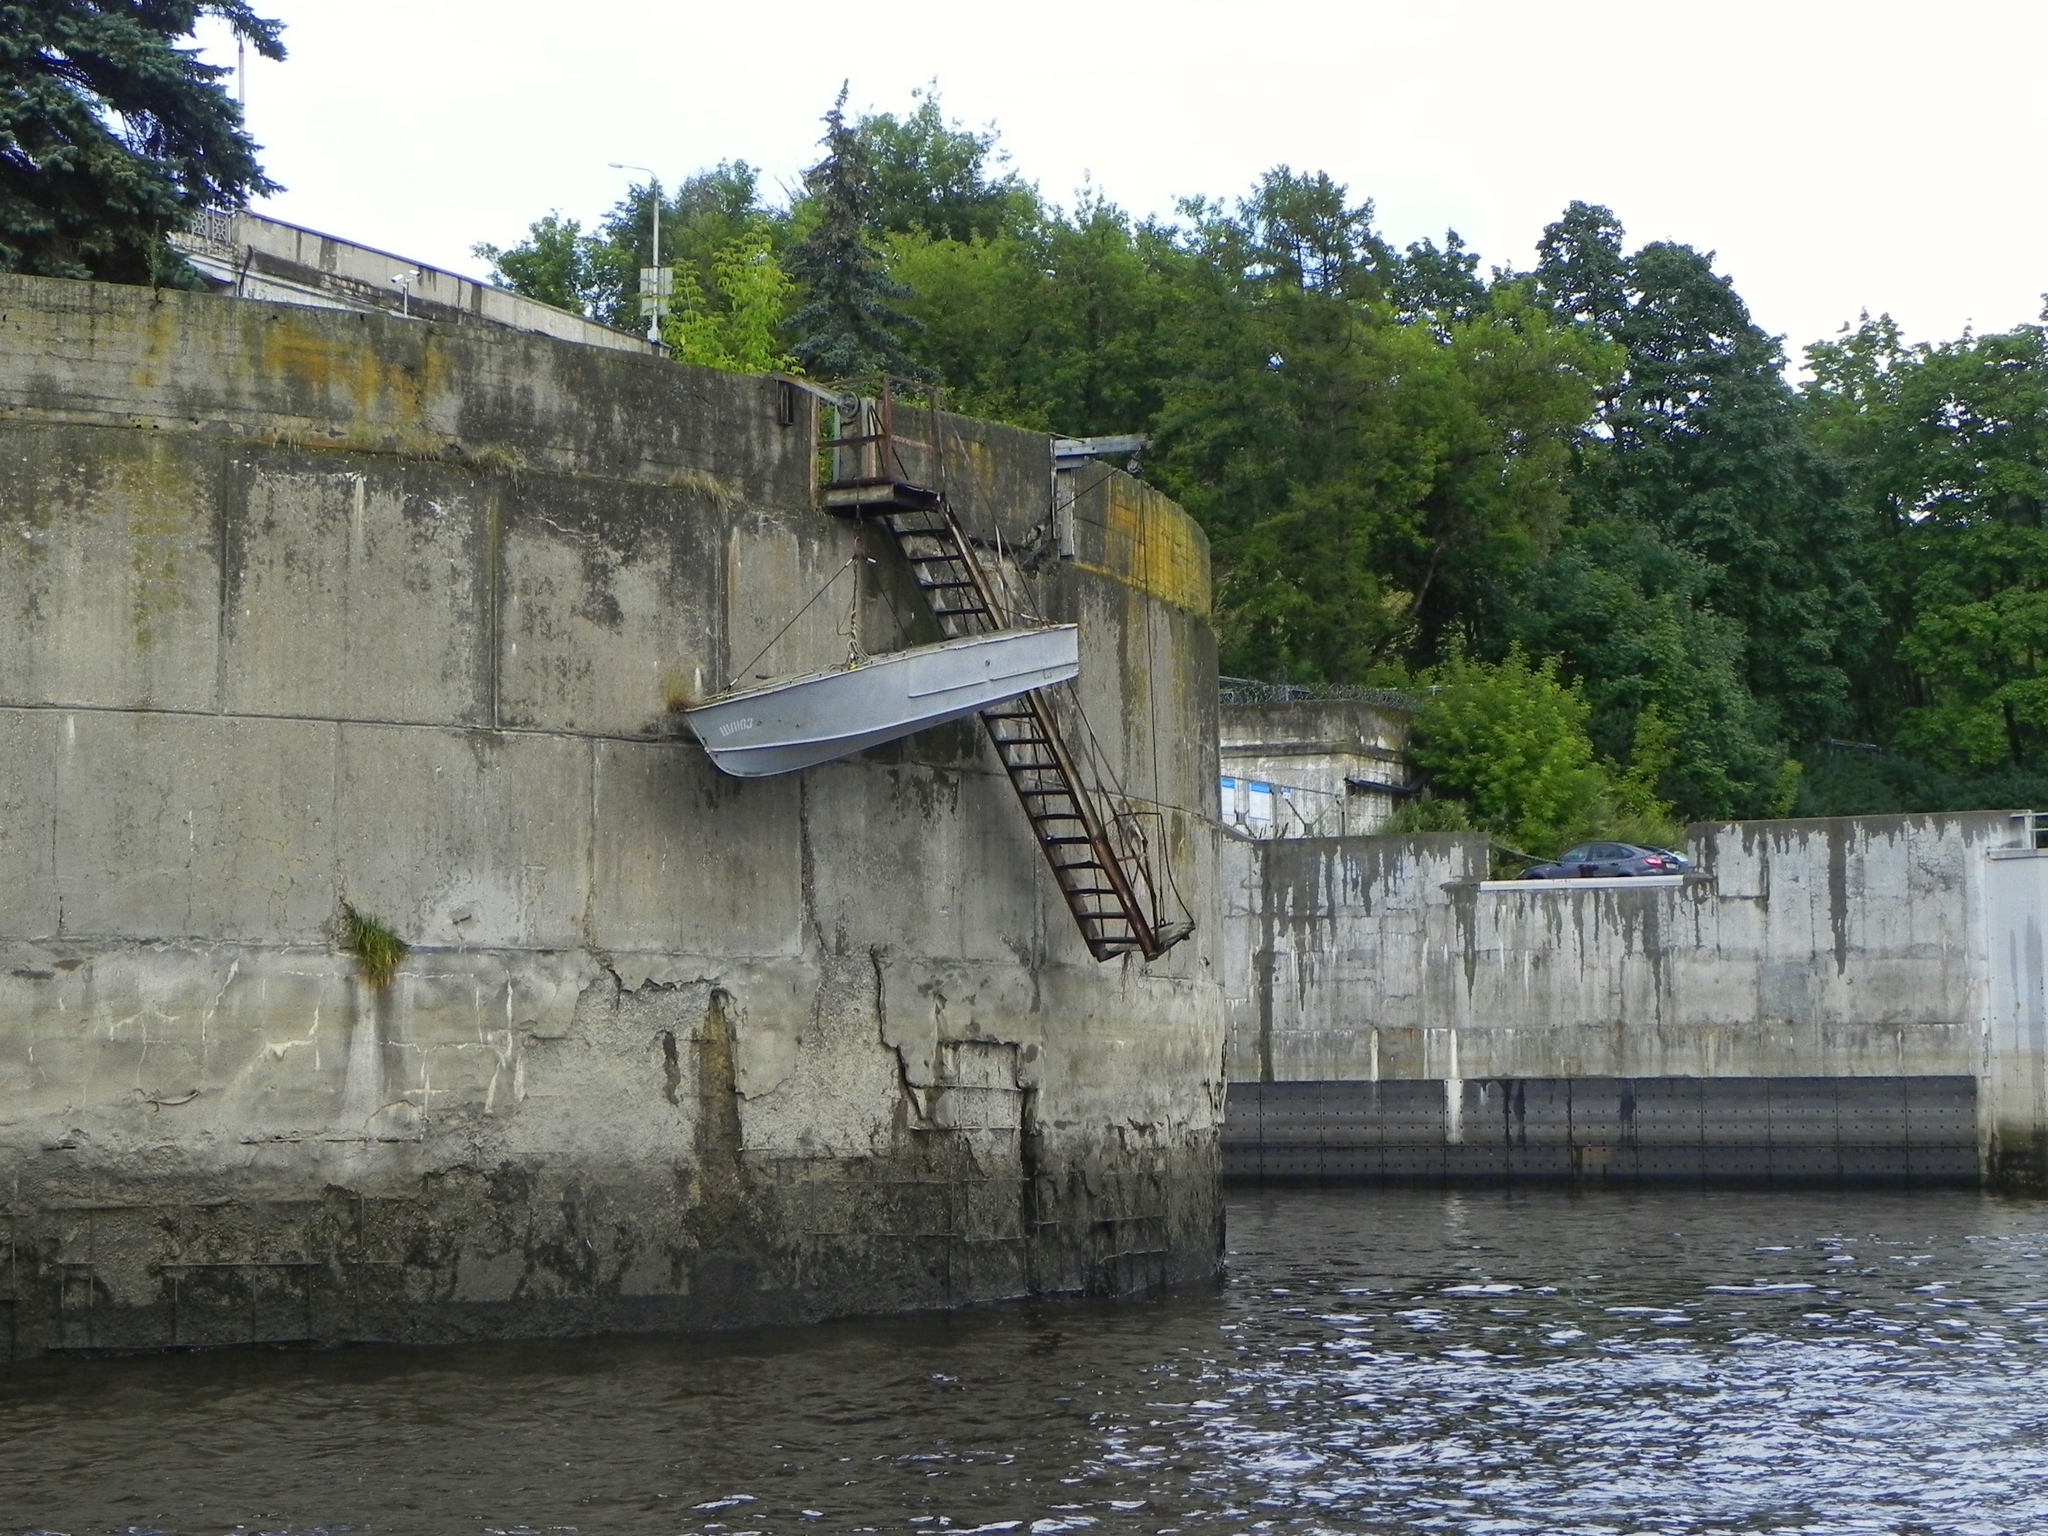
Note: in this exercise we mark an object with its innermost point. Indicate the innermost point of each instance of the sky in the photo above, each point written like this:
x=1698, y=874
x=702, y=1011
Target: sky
x=1838, y=157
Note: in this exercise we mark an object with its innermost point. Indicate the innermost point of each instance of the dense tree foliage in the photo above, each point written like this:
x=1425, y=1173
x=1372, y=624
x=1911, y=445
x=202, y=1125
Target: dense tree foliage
x=846, y=324
x=1508, y=742
x=597, y=273
x=111, y=134
x=1637, y=572
x=737, y=324
x=1946, y=448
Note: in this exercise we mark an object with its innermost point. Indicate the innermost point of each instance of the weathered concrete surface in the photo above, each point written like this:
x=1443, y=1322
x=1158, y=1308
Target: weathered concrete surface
x=1896, y=1132
x=1816, y=948
x=1857, y=950
x=2016, y=1022
x=297, y=606
x=248, y=256
x=1331, y=767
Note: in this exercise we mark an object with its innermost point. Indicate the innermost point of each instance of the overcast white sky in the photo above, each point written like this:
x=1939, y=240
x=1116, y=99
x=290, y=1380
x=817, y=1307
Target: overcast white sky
x=1838, y=156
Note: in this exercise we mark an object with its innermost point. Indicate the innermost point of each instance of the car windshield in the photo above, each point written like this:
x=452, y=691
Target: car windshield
x=1575, y=856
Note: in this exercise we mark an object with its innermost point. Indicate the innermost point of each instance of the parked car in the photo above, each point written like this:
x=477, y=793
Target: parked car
x=1605, y=861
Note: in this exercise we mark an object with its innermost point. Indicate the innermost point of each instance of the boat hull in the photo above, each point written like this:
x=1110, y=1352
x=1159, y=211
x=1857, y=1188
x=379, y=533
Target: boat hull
x=799, y=722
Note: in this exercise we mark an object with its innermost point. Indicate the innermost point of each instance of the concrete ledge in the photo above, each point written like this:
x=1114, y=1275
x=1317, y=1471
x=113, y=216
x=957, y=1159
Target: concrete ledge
x=1625, y=883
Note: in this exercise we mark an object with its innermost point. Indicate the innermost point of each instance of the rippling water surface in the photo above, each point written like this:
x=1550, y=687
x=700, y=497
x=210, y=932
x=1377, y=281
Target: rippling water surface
x=1375, y=1361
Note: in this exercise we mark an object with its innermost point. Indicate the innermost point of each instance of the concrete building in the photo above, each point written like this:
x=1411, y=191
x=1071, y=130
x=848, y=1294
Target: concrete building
x=244, y=255
x=1311, y=762
x=304, y=605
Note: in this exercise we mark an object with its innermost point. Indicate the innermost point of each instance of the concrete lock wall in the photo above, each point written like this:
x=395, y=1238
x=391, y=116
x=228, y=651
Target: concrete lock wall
x=1813, y=1007
x=300, y=606
x=2015, y=1113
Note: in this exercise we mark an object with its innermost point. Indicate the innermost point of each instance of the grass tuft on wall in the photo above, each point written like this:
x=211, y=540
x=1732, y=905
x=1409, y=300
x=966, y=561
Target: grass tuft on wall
x=722, y=493
x=372, y=943
x=496, y=459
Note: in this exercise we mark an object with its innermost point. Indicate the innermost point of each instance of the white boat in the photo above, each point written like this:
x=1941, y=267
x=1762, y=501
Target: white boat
x=796, y=722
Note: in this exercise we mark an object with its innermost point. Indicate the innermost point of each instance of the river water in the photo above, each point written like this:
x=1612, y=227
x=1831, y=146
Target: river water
x=1374, y=1362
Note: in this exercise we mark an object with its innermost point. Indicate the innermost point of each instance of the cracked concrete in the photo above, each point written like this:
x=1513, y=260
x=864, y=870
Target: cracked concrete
x=670, y=1049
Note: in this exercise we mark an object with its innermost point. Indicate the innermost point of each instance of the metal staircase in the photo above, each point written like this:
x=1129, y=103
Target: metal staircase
x=1098, y=880
x=1090, y=872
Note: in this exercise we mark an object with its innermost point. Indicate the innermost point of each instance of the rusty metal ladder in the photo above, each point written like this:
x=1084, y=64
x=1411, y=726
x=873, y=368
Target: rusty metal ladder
x=1092, y=875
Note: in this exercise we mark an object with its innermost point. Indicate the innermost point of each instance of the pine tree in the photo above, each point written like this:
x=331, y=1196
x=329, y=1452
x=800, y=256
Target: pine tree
x=848, y=325
x=111, y=135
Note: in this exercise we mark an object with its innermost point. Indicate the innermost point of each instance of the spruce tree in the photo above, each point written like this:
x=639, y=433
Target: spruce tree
x=111, y=134
x=848, y=324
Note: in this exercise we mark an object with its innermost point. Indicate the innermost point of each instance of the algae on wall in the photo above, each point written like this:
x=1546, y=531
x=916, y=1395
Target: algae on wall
x=665, y=1048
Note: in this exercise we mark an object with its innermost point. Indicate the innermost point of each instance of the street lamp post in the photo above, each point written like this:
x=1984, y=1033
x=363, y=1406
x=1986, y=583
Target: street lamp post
x=653, y=290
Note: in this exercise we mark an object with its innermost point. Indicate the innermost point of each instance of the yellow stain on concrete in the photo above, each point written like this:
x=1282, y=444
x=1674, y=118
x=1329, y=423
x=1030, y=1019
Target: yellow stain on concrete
x=379, y=390
x=1149, y=543
x=970, y=470
x=981, y=462
x=159, y=344
x=151, y=485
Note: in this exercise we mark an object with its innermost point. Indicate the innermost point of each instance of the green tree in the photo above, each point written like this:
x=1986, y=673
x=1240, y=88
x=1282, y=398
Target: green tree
x=1712, y=566
x=111, y=135
x=1849, y=407
x=597, y=273
x=934, y=177
x=1949, y=450
x=1509, y=740
x=1438, y=285
x=1068, y=327
x=1506, y=747
x=552, y=264
x=983, y=309
x=741, y=330
x=1629, y=614
x=1581, y=271
x=1701, y=441
x=1369, y=484
x=707, y=213
x=849, y=323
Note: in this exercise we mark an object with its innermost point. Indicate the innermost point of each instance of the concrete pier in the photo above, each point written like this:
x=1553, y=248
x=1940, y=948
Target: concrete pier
x=301, y=606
